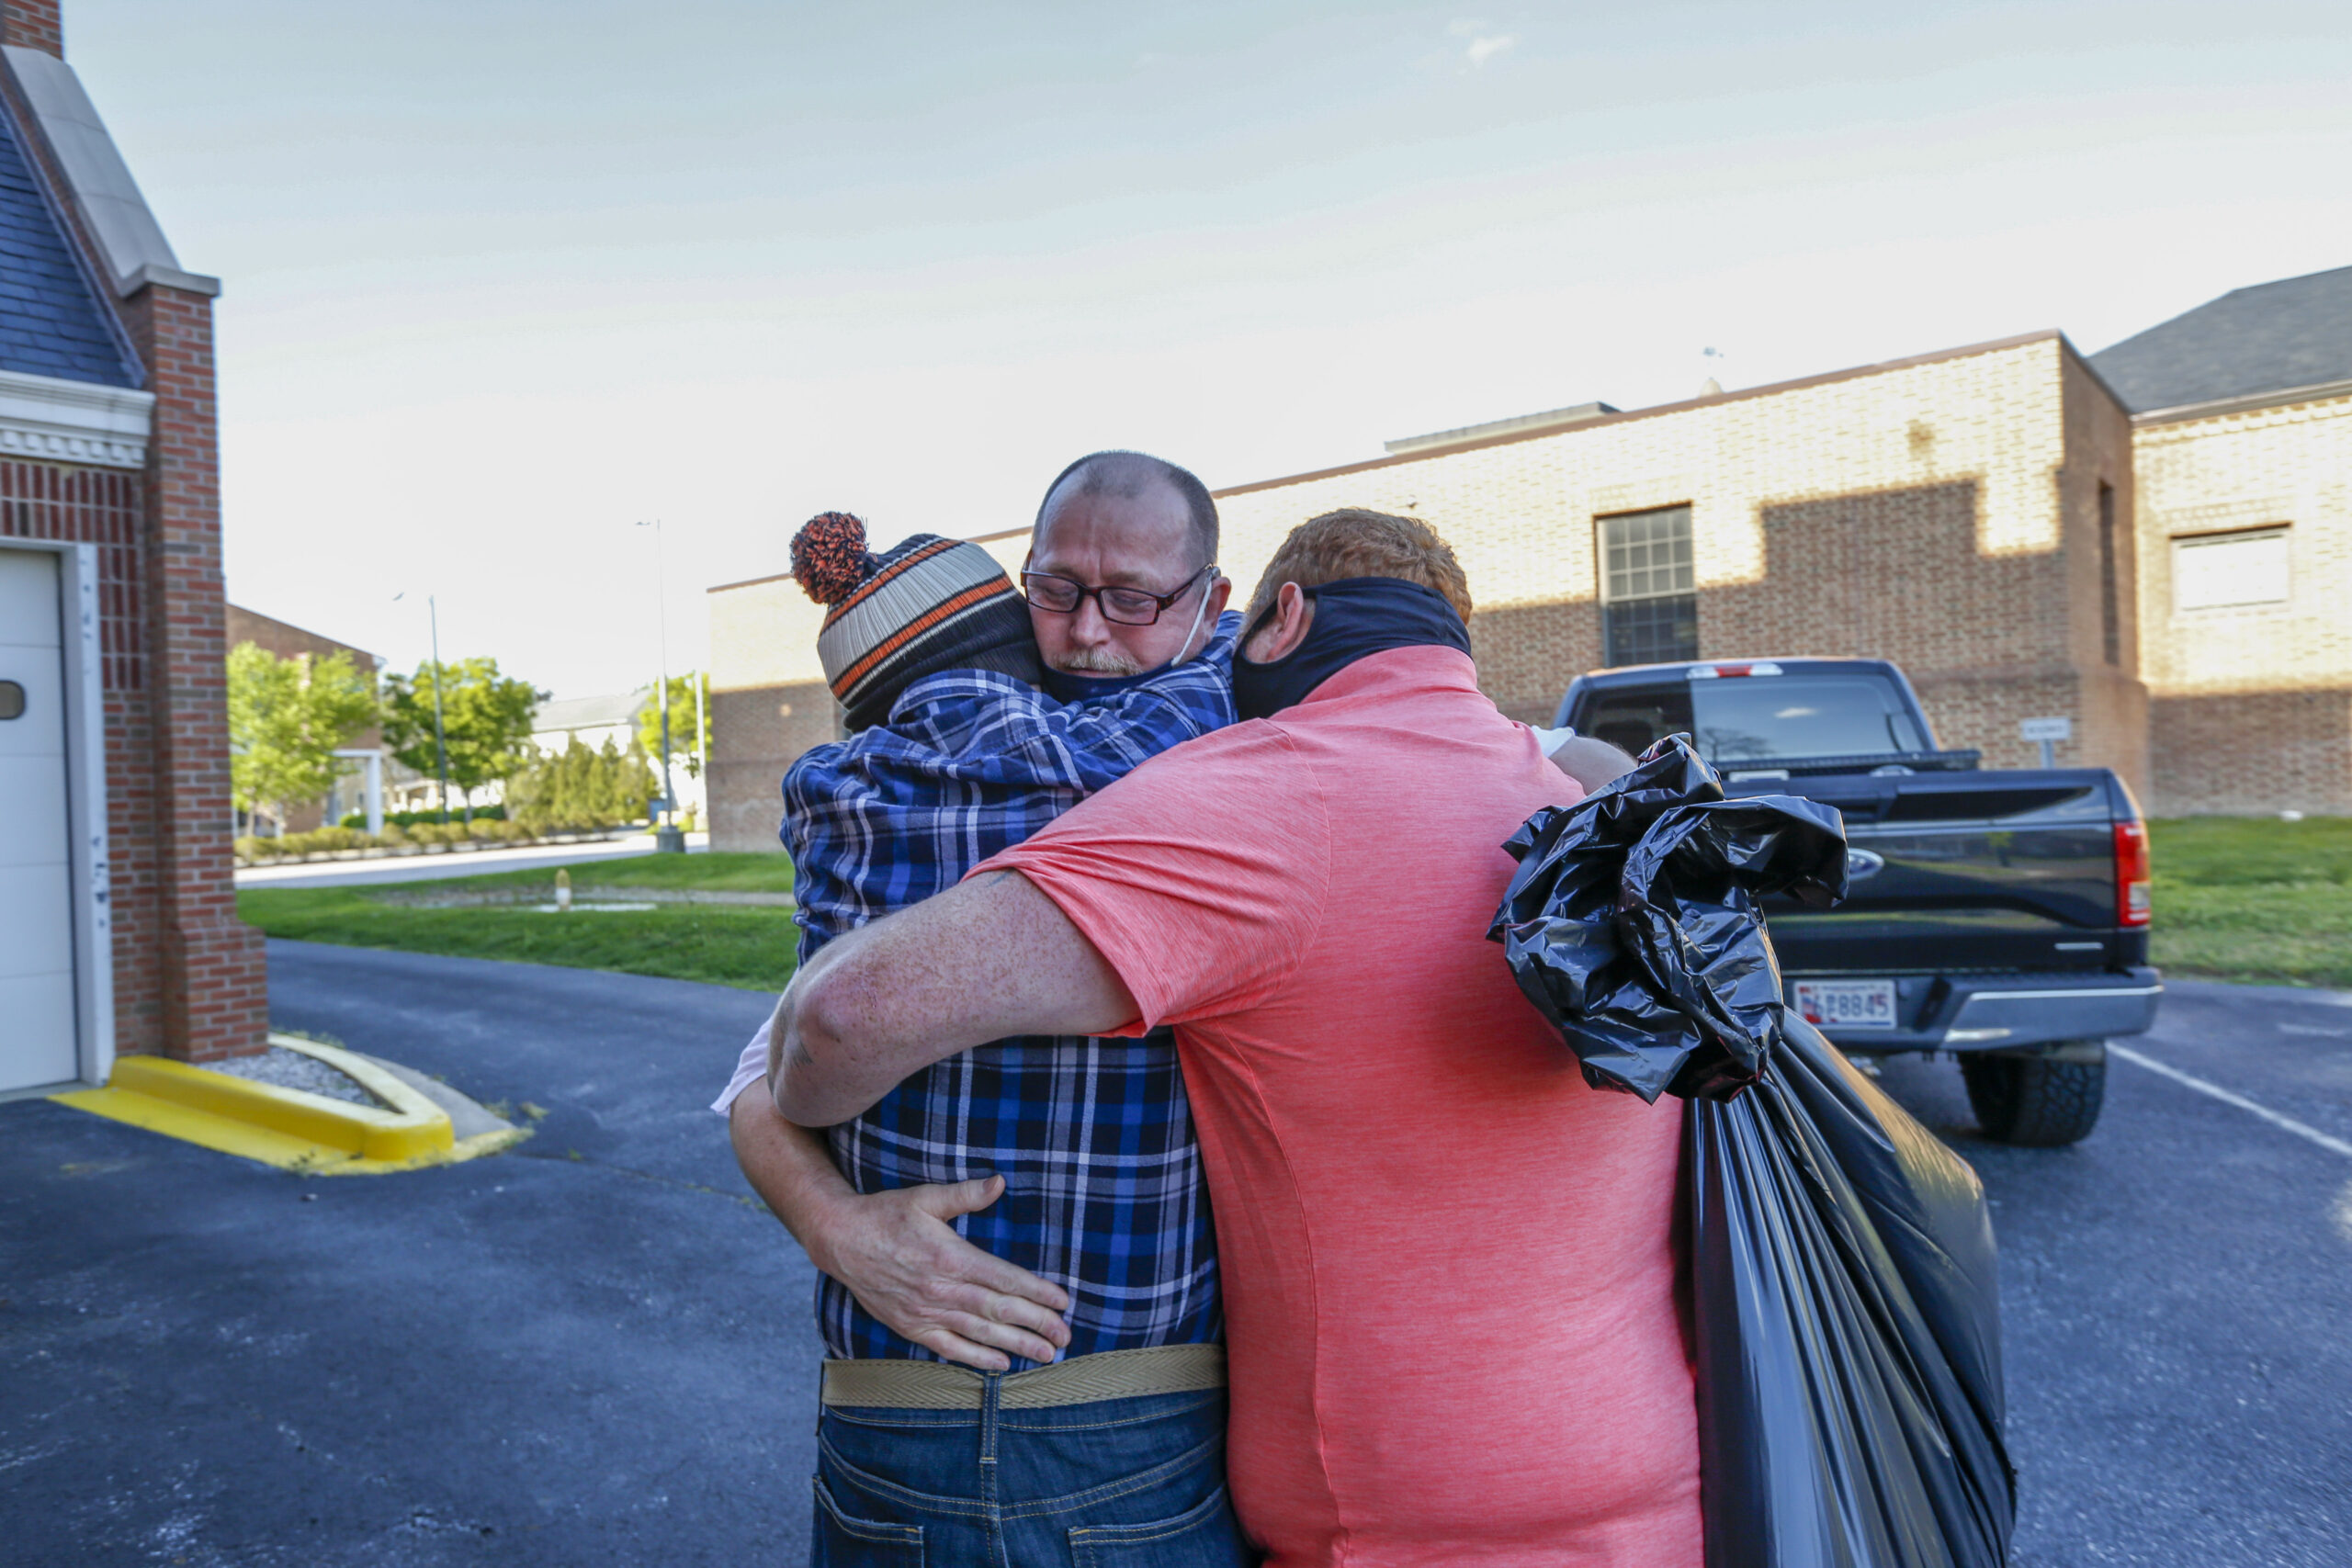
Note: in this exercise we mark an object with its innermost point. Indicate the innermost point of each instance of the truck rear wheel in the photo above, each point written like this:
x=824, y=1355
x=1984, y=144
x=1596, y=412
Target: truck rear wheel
x=2040, y=1101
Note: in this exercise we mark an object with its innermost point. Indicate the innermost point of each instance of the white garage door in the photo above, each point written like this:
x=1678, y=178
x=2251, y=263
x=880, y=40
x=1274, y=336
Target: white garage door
x=36, y=887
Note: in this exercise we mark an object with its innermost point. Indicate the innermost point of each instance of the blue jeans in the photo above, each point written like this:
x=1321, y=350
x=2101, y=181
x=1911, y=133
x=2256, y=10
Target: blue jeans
x=1115, y=1484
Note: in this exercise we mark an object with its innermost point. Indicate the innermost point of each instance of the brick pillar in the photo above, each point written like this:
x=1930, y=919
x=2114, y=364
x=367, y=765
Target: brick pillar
x=216, y=1000
x=32, y=23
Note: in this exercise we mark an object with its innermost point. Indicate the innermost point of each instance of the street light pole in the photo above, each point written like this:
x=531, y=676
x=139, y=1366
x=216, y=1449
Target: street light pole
x=702, y=745
x=440, y=743
x=666, y=836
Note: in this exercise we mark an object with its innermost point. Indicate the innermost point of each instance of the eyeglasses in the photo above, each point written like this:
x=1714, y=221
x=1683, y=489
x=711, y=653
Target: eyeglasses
x=1123, y=606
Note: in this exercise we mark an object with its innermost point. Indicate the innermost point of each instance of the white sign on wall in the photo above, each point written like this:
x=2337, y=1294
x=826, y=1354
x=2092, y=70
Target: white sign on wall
x=2046, y=729
x=2222, y=570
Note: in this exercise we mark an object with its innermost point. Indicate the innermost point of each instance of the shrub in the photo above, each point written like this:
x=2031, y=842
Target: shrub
x=411, y=819
x=251, y=848
x=319, y=840
x=579, y=789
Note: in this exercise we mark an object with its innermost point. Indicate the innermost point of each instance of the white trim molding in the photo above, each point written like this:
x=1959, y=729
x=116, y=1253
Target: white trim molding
x=57, y=420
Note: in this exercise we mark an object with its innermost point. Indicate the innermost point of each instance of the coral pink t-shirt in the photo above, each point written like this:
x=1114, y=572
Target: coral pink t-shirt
x=1449, y=1265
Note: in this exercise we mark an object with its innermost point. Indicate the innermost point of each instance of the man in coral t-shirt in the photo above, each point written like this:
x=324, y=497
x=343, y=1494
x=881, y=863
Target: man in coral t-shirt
x=1449, y=1266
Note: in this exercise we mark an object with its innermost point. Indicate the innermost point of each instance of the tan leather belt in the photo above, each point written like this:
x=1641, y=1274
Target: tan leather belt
x=1081, y=1380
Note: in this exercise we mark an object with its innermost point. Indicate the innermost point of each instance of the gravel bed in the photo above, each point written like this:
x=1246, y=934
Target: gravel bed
x=291, y=1070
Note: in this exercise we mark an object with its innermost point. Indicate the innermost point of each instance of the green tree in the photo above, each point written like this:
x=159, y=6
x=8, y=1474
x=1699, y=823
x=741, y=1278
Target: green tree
x=580, y=788
x=634, y=782
x=684, y=729
x=286, y=717
x=485, y=718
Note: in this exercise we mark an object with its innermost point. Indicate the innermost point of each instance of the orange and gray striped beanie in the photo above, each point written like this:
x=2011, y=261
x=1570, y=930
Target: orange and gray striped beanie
x=926, y=606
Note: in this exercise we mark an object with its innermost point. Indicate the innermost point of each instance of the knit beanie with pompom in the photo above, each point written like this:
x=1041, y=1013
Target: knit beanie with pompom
x=925, y=605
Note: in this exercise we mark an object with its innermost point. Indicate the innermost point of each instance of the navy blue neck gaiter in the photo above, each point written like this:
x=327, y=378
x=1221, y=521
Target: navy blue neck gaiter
x=1355, y=618
x=1065, y=687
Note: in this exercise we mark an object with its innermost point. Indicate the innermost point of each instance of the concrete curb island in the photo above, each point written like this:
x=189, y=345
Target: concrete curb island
x=418, y=1125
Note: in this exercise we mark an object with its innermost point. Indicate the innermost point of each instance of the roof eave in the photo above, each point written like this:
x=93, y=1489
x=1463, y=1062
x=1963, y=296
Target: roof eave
x=2245, y=402
x=1609, y=420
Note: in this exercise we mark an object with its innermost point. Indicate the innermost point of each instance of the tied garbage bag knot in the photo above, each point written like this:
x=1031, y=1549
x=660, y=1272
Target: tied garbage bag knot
x=1633, y=922
x=1845, y=1313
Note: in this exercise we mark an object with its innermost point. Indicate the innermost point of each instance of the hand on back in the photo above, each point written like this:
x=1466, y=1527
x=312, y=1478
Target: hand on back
x=900, y=1257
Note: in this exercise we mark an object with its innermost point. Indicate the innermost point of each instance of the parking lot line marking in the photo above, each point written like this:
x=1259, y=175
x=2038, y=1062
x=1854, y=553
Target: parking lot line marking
x=2335, y=1145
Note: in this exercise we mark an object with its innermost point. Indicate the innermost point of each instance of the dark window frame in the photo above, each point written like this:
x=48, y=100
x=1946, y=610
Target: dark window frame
x=2111, y=606
x=1640, y=621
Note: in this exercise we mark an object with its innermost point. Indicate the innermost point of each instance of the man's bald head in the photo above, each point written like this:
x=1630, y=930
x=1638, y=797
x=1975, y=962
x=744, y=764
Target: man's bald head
x=1132, y=476
x=1124, y=520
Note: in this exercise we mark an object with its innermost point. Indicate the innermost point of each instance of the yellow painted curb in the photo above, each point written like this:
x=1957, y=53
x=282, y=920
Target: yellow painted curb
x=285, y=1127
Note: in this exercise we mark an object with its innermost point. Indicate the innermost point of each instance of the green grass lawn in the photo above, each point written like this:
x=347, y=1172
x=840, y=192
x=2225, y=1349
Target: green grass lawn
x=719, y=873
x=2252, y=898
x=751, y=948
x=2237, y=899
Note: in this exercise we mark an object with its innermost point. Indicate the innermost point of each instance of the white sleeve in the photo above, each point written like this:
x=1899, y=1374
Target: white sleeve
x=1551, y=740
x=750, y=1068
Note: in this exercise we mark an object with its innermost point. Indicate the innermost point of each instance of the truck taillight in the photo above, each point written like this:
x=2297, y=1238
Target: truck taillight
x=2131, y=874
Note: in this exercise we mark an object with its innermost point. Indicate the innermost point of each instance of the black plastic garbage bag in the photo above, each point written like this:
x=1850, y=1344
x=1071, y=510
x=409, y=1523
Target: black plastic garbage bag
x=1632, y=922
x=1846, y=1311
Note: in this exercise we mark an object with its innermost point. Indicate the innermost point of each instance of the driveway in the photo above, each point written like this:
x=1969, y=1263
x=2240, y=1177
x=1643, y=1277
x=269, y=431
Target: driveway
x=596, y=1350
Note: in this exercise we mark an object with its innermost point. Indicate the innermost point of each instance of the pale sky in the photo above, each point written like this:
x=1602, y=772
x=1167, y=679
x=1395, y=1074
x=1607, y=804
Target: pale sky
x=504, y=276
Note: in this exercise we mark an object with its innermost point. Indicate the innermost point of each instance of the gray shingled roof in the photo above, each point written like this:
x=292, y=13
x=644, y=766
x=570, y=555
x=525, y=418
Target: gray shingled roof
x=50, y=322
x=2274, y=336
x=588, y=712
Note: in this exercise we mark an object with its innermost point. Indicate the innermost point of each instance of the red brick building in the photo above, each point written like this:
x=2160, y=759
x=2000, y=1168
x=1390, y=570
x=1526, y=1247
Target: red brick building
x=118, y=929
x=283, y=639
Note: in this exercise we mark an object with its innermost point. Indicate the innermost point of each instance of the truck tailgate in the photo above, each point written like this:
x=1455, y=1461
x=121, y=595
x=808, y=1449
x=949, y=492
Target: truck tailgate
x=1964, y=874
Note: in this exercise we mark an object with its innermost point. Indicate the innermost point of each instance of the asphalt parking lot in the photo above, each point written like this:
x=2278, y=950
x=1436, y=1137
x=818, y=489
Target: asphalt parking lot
x=596, y=1349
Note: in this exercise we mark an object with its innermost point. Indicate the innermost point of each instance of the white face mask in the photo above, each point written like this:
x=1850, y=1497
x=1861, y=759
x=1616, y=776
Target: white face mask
x=1198, y=610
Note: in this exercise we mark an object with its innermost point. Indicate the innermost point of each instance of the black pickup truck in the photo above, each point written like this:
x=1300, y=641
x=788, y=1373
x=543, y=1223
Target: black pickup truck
x=1999, y=915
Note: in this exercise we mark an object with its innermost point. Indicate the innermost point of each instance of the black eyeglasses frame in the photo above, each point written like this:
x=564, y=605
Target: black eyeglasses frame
x=1161, y=602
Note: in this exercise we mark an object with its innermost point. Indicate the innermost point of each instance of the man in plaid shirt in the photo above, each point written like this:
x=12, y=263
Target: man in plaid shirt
x=1035, y=1199
x=1108, y=1204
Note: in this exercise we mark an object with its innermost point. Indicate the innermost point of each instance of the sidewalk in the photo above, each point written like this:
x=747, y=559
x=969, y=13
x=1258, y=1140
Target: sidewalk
x=464, y=863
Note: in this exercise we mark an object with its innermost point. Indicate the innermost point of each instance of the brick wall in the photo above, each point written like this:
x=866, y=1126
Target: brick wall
x=1940, y=512
x=32, y=23
x=2250, y=702
x=105, y=507
x=212, y=978
x=757, y=732
x=2111, y=698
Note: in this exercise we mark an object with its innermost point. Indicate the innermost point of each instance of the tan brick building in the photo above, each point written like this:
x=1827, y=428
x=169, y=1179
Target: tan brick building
x=1942, y=512
x=2242, y=443
x=1997, y=519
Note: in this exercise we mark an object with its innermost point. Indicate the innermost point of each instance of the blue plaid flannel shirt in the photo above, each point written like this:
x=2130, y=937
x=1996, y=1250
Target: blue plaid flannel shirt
x=1103, y=1191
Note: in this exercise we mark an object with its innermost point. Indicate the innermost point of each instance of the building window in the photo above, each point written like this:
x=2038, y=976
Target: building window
x=1649, y=601
x=2213, y=571
x=2111, y=615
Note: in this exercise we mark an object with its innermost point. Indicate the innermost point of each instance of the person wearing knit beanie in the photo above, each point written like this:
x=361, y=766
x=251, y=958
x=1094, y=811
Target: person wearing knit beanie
x=925, y=605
